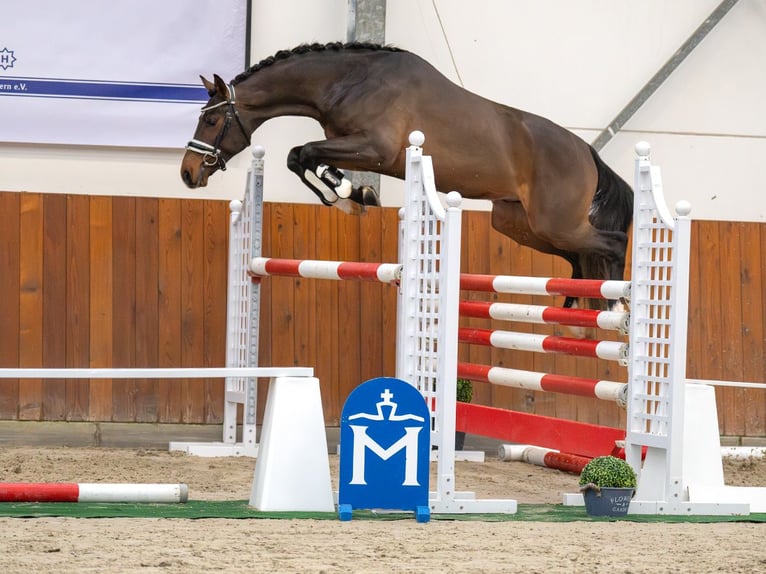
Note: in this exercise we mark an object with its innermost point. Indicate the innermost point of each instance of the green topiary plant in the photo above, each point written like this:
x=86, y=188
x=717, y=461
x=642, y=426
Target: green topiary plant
x=607, y=472
x=464, y=395
x=464, y=390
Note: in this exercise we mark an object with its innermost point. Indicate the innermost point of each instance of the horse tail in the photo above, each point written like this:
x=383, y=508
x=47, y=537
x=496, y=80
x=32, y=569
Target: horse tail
x=611, y=211
x=612, y=205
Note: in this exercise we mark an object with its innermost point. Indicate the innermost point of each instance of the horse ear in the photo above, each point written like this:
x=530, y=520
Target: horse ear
x=209, y=86
x=220, y=86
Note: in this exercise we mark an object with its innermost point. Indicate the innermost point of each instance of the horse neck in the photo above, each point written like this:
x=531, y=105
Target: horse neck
x=296, y=86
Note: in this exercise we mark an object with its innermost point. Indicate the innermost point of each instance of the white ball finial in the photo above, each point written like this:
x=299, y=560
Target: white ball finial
x=643, y=148
x=454, y=199
x=417, y=138
x=683, y=208
x=258, y=151
x=235, y=205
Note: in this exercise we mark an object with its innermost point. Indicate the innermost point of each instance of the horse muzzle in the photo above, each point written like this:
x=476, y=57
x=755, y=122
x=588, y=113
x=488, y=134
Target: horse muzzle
x=210, y=161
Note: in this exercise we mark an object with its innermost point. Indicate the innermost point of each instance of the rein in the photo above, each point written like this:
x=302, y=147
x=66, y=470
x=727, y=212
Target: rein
x=211, y=154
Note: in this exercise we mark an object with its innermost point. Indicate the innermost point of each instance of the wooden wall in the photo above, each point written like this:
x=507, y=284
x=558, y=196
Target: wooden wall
x=111, y=281
x=99, y=281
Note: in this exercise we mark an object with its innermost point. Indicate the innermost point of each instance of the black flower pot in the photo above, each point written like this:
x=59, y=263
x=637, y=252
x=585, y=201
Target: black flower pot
x=607, y=501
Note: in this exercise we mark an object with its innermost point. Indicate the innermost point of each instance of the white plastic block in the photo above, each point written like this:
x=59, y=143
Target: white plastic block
x=292, y=472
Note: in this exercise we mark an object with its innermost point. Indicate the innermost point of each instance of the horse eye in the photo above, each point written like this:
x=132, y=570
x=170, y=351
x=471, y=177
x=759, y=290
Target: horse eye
x=210, y=120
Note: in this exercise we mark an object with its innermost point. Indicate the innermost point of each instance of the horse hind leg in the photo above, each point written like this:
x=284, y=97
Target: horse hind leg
x=605, y=261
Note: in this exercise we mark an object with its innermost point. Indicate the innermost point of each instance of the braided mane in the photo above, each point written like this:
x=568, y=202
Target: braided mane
x=306, y=48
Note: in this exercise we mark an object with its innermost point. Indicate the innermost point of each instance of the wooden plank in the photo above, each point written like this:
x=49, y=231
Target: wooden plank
x=328, y=356
x=283, y=289
x=545, y=403
x=31, y=302
x=9, y=301
x=101, y=305
x=305, y=325
x=348, y=309
x=520, y=263
x=78, y=304
x=697, y=315
x=192, y=289
x=371, y=302
x=475, y=237
x=730, y=332
x=170, y=401
x=566, y=405
x=216, y=221
x=753, y=254
x=124, y=305
x=147, y=306
x=54, y=302
x=500, y=251
x=389, y=254
x=709, y=363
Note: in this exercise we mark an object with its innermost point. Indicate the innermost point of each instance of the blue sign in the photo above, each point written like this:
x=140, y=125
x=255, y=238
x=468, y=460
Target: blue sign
x=385, y=448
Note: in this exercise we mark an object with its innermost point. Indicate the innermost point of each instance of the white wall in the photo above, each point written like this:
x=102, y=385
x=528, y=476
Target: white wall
x=577, y=63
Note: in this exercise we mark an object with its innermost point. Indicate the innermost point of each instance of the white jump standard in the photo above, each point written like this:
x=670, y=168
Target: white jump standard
x=659, y=416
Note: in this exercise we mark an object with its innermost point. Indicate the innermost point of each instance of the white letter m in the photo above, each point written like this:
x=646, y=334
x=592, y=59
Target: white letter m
x=409, y=441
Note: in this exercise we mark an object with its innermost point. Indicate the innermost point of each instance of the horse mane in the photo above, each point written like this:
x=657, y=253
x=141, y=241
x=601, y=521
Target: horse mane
x=315, y=47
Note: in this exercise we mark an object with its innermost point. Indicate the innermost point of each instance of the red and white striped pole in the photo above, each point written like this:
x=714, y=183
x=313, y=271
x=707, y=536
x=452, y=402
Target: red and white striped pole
x=564, y=384
x=608, y=350
x=92, y=492
x=542, y=457
x=336, y=270
x=609, y=320
x=590, y=288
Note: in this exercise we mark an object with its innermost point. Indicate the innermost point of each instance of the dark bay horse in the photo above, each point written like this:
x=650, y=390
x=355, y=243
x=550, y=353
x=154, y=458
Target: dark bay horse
x=549, y=189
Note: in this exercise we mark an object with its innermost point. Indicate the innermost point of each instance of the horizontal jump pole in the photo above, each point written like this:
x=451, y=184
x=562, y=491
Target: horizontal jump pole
x=529, y=380
x=92, y=492
x=607, y=320
x=741, y=385
x=591, y=288
x=542, y=457
x=169, y=373
x=334, y=270
x=582, y=439
x=608, y=350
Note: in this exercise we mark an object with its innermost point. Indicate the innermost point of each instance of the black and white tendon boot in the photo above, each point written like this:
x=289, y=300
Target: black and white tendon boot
x=329, y=184
x=323, y=183
x=335, y=189
x=334, y=178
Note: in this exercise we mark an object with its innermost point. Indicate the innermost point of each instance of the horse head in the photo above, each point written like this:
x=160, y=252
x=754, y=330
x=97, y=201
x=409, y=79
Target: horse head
x=214, y=143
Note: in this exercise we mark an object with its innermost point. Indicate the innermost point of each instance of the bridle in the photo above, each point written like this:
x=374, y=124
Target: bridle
x=211, y=154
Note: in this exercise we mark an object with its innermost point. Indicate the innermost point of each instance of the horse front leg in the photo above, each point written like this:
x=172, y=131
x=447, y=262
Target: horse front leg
x=315, y=164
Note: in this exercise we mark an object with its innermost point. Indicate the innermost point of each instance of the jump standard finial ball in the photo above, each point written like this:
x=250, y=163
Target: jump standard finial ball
x=643, y=148
x=683, y=208
x=235, y=205
x=417, y=138
x=454, y=199
x=259, y=151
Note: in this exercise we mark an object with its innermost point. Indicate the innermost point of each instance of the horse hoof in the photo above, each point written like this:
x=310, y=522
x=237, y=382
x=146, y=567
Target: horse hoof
x=370, y=196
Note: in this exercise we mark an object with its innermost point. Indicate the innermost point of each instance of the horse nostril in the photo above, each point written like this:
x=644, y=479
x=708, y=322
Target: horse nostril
x=186, y=176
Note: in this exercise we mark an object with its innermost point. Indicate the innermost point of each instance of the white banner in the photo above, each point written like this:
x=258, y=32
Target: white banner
x=120, y=73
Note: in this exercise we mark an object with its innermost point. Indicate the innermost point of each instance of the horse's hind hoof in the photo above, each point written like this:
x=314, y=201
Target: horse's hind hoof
x=370, y=196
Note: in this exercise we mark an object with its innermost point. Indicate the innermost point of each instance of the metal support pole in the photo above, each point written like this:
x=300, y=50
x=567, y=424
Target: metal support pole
x=659, y=78
x=366, y=22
